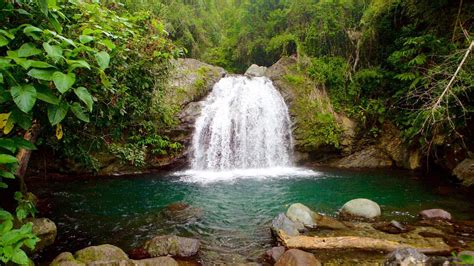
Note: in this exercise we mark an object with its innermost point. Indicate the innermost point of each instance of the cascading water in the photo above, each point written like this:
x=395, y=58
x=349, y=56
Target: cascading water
x=244, y=124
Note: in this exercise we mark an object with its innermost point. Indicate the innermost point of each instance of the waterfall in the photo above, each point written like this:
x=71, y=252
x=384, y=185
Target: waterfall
x=244, y=124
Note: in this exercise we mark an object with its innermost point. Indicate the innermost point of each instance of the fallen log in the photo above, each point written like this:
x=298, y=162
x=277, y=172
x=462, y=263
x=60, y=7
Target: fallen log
x=354, y=243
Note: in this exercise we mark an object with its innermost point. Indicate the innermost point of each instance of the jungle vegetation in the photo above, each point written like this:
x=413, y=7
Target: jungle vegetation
x=81, y=76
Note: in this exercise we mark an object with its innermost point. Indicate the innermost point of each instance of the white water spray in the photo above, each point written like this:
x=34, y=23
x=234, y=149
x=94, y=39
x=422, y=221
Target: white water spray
x=244, y=124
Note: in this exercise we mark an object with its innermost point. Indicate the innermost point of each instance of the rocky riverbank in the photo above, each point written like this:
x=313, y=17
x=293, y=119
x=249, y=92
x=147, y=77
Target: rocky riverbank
x=357, y=234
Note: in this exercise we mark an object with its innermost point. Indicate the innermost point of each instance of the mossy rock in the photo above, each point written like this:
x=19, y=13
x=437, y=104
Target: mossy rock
x=104, y=252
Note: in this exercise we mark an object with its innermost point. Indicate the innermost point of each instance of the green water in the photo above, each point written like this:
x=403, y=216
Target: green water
x=231, y=217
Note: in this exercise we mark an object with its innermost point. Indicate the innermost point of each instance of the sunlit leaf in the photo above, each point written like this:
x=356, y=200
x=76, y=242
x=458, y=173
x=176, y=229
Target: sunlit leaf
x=84, y=95
x=24, y=96
x=103, y=59
x=41, y=74
x=6, y=159
x=27, y=50
x=59, y=131
x=63, y=81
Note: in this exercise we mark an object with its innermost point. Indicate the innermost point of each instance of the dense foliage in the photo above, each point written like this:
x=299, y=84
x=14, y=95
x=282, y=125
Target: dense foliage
x=375, y=58
x=84, y=77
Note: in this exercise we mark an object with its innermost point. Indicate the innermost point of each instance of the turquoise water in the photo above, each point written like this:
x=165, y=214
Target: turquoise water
x=230, y=217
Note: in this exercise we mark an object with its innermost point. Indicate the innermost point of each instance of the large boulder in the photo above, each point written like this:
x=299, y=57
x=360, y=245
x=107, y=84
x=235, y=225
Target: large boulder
x=370, y=157
x=406, y=256
x=46, y=230
x=106, y=255
x=464, y=171
x=104, y=252
x=255, y=71
x=282, y=223
x=361, y=208
x=436, y=214
x=299, y=213
x=172, y=245
x=296, y=257
x=274, y=254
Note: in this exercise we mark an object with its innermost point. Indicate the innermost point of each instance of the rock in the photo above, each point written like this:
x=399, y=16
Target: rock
x=46, y=230
x=66, y=259
x=273, y=254
x=138, y=254
x=255, y=71
x=361, y=208
x=301, y=214
x=296, y=257
x=104, y=252
x=466, y=253
x=465, y=172
x=392, y=227
x=161, y=261
x=370, y=157
x=177, y=206
x=172, y=245
x=436, y=214
x=298, y=212
x=406, y=256
x=283, y=223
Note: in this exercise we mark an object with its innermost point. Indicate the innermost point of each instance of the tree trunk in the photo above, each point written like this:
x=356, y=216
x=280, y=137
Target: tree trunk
x=23, y=156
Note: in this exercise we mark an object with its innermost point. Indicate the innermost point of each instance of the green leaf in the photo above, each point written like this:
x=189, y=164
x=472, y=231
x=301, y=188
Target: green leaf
x=3, y=41
x=1, y=78
x=43, y=4
x=103, y=59
x=84, y=95
x=78, y=111
x=3, y=185
x=33, y=63
x=4, y=63
x=85, y=39
x=24, y=120
x=41, y=74
x=24, y=96
x=24, y=144
x=27, y=50
x=108, y=43
x=6, y=174
x=32, y=32
x=56, y=113
x=19, y=256
x=53, y=51
x=8, y=144
x=73, y=64
x=46, y=95
x=6, y=159
x=63, y=81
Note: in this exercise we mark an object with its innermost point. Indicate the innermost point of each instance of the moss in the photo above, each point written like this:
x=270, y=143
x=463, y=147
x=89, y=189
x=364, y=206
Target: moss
x=316, y=124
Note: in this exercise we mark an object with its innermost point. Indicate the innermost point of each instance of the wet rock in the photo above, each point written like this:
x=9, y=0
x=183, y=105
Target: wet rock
x=283, y=223
x=406, y=256
x=138, y=254
x=370, y=157
x=361, y=208
x=161, y=261
x=46, y=230
x=177, y=206
x=104, y=252
x=437, y=214
x=172, y=245
x=298, y=212
x=464, y=171
x=393, y=227
x=255, y=71
x=296, y=257
x=66, y=259
x=272, y=255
